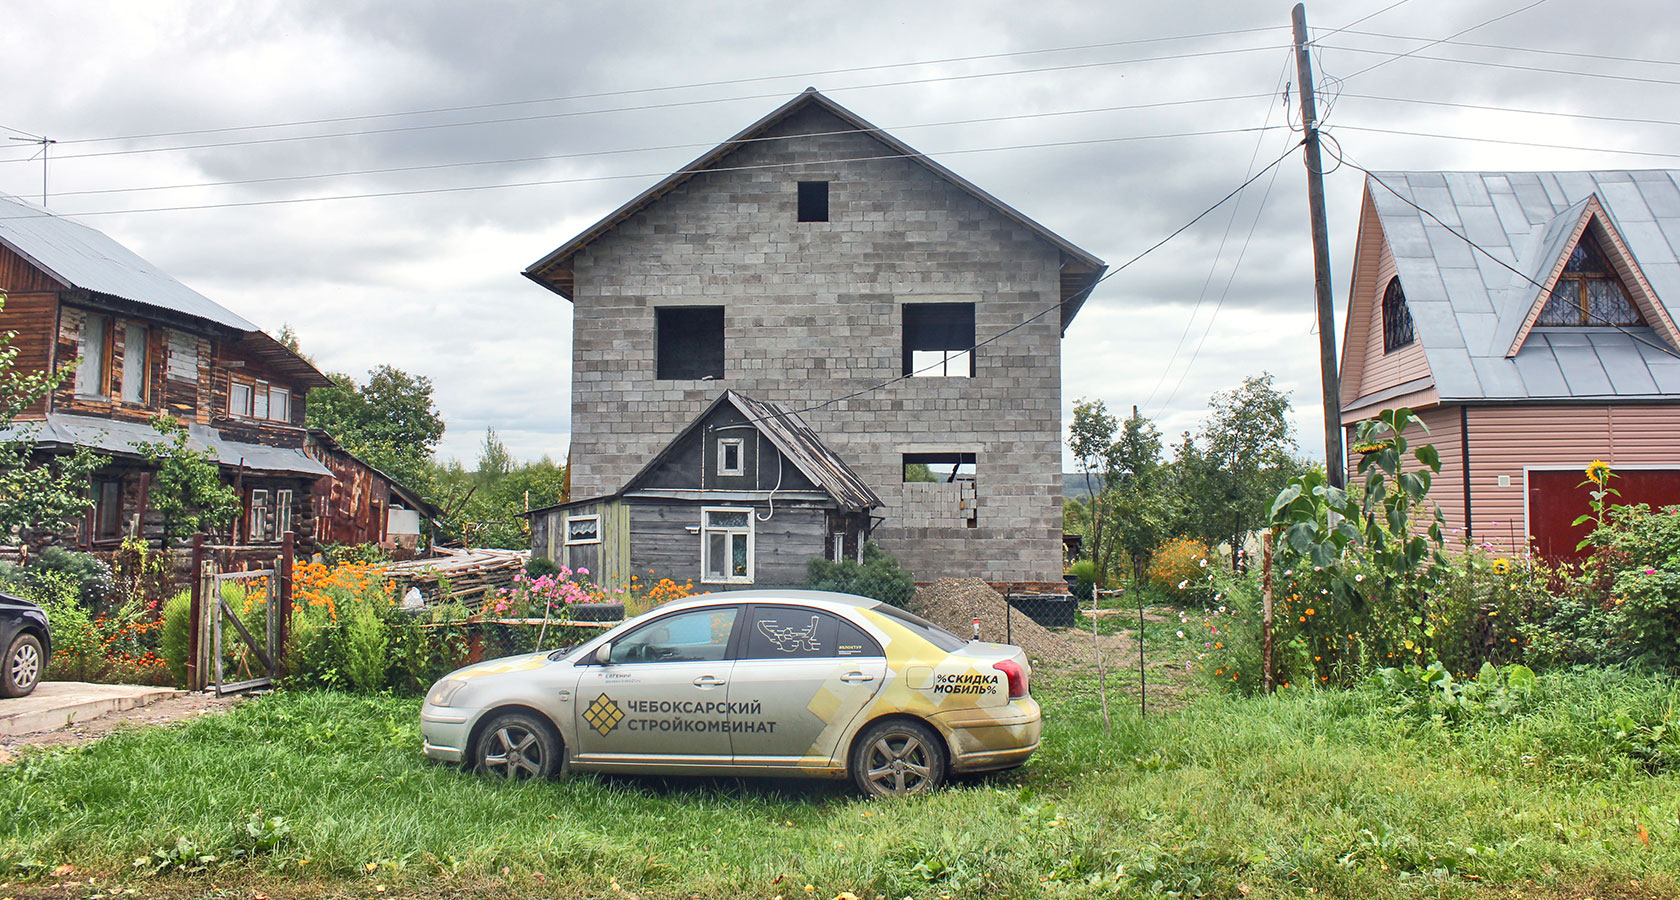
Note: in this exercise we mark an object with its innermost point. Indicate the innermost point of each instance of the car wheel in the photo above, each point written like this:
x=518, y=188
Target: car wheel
x=898, y=758
x=20, y=669
x=518, y=746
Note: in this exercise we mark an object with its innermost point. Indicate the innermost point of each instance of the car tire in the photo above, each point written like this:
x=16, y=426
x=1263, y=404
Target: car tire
x=20, y=668
x=519, y=746
x=898, y=758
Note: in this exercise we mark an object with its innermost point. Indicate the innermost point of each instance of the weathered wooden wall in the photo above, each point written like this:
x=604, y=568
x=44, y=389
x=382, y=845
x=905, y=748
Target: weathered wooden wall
x=350, y=505
x=663, y=547
x=34, y=317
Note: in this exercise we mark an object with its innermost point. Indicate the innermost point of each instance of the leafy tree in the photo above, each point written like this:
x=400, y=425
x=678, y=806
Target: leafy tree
x=390, y=422
x=36, y=495
x=1091, y=438
x=485, y=506
x=187, y=490
x=1137, y=505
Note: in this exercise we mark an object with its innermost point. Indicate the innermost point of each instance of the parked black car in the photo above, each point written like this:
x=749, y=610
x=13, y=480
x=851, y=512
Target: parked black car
x=25, y=646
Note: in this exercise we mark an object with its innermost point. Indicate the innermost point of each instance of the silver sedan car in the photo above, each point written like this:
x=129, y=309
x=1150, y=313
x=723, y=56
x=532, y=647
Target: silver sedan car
x=797, y=683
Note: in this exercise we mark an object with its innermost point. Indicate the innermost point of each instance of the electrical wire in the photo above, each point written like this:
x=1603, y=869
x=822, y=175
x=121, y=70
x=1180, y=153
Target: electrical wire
x=650, y=106
x=1503, y=264
x=597, y=178
x=667, y=147
x=1449, y=37
x=1633, y=120
x=1515, y=67
x=688, y=86
x=1514, y=143
x=1510, y=49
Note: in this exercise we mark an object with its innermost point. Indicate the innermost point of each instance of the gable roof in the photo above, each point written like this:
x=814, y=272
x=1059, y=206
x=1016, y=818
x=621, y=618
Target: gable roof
x=1080, y=269
x=83, y=258
x=1473, y=317
x=792, y=438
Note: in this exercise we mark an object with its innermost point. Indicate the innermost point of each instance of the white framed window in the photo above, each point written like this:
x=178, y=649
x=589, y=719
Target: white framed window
x=730, y=458
x=279, y=404
x=837, y=553
x=239, y=399
x=726, y=545
x=282, y=513
x=258, y=526
x=583, y=530
x=135, y=363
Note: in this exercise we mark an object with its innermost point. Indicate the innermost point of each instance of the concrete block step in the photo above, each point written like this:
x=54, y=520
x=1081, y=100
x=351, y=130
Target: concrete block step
x=55, y=704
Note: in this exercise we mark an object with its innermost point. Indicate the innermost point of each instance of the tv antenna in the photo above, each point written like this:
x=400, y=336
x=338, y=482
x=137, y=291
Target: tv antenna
x=45, y=143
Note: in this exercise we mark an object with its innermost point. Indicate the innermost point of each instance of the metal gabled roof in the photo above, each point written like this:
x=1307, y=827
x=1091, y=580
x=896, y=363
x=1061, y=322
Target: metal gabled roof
x=82, y=257
x=1081, y=270
x=120, y=437
x=1468, y=310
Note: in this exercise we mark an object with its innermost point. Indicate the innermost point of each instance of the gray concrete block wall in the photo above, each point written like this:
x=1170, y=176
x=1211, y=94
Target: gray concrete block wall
x=812, y=313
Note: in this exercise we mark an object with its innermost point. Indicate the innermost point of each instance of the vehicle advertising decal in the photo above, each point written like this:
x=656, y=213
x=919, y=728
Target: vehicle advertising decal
x=789, y=640
x=605, y=715
x=968, y=683
x=523, y=663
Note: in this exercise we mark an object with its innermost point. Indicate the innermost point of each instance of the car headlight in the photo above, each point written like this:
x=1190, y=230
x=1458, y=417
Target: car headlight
x=444, y=691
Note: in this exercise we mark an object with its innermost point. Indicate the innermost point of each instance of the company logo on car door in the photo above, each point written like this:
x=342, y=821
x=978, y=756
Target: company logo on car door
x=787, y=640
x=603, y=715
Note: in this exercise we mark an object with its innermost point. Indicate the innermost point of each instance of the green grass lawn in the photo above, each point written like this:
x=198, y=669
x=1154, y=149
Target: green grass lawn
x=1333, y=793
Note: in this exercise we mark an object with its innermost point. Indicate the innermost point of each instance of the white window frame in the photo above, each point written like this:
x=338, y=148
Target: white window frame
x=567, y=534
x=284, y=412
x=740, y=456
x=254, y=529
x=282, y=513
x=706, y=531
x=244, y=413
x=837, y=553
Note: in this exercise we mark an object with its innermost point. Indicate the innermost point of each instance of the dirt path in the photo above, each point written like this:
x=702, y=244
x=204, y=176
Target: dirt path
x=174, y=709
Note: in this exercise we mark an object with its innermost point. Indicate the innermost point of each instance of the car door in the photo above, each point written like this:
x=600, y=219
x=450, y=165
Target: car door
x=803, y=674
x=663, y=699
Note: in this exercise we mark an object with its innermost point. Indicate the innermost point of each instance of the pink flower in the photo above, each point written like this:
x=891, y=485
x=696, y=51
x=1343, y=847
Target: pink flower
x=1650, y=571
x=583, y=571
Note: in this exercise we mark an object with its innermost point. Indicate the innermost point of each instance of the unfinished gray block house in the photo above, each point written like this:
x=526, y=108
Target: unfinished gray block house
x=816, y=262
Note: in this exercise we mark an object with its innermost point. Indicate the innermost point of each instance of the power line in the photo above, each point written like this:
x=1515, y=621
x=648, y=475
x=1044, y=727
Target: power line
x=1515, y=109
x=1515, y=67
x=583, y=154
x=1081, y=294
x=595, y=178
x=1514, y=143
x=675, y=87
x=1511, y=49
x=652, y=106
x=1449, y=37
x=1363, y=18
x=1490, y=255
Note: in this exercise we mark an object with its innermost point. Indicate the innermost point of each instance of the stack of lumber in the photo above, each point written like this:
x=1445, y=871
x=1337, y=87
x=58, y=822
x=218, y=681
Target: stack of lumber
x=465, y=575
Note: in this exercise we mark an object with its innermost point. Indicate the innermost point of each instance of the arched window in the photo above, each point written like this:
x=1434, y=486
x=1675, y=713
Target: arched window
x=1397, y=319
x=1589, y=292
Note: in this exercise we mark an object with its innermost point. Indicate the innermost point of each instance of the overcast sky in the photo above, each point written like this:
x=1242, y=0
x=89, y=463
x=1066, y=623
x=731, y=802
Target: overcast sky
x=580, y=106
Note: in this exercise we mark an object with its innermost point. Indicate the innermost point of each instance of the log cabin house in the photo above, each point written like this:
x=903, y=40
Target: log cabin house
x=150, y=345
x=745, y=496
x=1529, y=317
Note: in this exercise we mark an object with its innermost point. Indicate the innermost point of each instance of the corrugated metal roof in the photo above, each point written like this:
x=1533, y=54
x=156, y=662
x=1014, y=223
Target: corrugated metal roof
x=119, y=436
x=82, y=257
x=1468, y=310
x=801, y=445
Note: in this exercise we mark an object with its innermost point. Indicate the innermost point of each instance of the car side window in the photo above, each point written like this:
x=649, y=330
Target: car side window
x=791, y=632
x=701, y=635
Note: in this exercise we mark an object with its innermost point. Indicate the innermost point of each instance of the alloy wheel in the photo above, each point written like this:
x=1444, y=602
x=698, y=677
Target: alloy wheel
x=25, y=665
x=898, y=763
x=516, y=754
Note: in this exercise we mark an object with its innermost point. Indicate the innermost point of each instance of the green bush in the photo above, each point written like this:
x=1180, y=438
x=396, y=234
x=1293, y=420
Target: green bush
x=354, y=553
x=540, y=566
x=360, y=641
x=1645, y=590
x=172, y=643
x=77, y=651
x=878, y=577
x=92, y=577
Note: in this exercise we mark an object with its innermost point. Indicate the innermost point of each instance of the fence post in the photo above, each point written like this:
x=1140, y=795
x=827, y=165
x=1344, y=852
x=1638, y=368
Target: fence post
x=1266, y=671
x=288, y=551
x=195, y=611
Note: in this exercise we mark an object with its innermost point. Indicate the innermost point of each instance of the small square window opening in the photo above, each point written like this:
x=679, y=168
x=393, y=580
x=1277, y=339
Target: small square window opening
x=939, y=340
x=689, y=343
x=729, y=457
x=583, y=530
x=813, y=201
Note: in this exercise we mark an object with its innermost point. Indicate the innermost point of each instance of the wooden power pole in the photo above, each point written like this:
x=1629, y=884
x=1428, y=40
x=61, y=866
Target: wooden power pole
x=1334, y=466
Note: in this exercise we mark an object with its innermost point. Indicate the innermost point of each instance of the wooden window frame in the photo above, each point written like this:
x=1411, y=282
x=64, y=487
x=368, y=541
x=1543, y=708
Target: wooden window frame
x=282, y=512
x=101, y=388
x=98, y=512
x=707, y=529
x=1398, y=328
x=740, y=446
x=143, y=394
x=566, y=535
x=256, y=518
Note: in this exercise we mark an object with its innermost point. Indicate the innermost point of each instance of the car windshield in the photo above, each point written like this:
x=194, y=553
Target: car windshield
x=932, y=633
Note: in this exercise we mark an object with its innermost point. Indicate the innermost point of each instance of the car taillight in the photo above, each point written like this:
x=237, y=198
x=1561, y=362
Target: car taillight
x=1017, y=677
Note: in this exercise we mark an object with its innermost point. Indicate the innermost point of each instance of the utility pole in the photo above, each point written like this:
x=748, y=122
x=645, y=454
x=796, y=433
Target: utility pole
x=1334, y=466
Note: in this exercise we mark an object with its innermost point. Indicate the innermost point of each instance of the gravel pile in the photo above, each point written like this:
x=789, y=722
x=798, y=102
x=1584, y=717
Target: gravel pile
x=954, y=604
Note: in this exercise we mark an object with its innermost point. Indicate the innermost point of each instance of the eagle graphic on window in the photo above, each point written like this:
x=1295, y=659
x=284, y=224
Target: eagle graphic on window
x=788, y=640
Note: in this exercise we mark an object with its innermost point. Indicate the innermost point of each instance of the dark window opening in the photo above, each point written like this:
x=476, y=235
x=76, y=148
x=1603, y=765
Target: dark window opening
x=939, y=339
x=1589, y=292
x=107, y=509
x=1397, y=319
x=813, y=201
x=689, y=343
x=939, y=467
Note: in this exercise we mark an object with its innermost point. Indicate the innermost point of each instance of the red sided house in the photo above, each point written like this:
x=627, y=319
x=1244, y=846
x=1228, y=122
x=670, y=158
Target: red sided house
x=151, y=345
x=1554, y=347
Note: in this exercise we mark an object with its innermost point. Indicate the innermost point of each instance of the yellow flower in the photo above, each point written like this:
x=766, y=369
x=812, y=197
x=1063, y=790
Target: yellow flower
x=1598, y=472
x=1501, y=566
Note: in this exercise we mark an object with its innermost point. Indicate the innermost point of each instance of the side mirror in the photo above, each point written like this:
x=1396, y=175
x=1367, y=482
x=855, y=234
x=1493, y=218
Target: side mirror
x=603, y=654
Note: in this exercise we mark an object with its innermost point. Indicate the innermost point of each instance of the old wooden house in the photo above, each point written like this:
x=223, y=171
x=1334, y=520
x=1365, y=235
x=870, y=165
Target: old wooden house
x=148, y=346
x=359, y=504
x=745, y=496
x=813, y=257
x=1530, y=318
